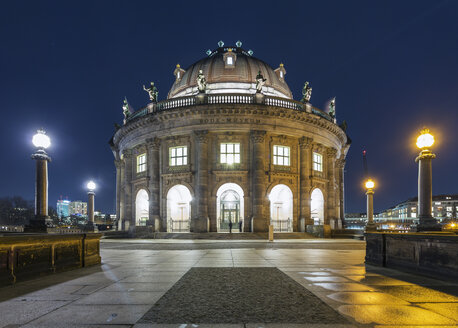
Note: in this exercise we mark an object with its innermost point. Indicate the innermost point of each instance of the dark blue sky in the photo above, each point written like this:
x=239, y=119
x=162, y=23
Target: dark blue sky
x=66, y=66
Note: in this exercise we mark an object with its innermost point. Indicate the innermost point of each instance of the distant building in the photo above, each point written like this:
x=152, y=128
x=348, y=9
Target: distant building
x=63, y=208
x=78, y=208
x=445, y=207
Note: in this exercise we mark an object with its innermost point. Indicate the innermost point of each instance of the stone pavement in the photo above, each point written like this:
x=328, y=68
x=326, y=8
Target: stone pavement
x=308, y=283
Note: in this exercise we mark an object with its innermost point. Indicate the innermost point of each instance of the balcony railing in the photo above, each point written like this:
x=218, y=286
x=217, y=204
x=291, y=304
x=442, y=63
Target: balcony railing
x=282, y=225
x=178, y=225
x=228, y=99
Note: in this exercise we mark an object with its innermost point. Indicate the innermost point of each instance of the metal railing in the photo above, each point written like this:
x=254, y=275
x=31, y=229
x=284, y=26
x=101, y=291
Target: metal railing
x=178, y=225
x=228, y=99
x=281, y=225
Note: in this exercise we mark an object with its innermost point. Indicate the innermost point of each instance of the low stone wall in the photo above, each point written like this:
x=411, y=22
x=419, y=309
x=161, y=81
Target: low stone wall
x=25, y=256
x=433, y=254
x=321, y=231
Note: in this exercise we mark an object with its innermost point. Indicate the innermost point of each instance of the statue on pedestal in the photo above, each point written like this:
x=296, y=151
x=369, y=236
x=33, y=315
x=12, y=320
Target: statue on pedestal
x=260, y=81
x=152, y=91
x=306, y=92
x=332, y=108
x=201, y=82
x=126, y=110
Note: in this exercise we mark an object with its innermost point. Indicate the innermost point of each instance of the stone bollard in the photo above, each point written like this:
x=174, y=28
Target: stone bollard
x=271, y=232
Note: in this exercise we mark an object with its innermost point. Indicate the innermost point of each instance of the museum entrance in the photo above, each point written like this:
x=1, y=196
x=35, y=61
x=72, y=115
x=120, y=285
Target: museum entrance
x=230, y=208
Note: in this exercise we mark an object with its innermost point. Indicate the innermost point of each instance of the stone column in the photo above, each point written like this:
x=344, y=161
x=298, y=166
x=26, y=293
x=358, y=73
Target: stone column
x=260, y=219
x=200, y=221
x=425, y=193
x=118, y=165
x=90, y=211
x=370, y=211
x=305, y=145
x=41, y=221
x=154, y=145
x=340, y=166
x=331, y=204
x=128, y=216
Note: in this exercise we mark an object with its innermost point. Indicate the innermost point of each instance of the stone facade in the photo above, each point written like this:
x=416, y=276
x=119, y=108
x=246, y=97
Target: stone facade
x=204, y=160
x=202, y=128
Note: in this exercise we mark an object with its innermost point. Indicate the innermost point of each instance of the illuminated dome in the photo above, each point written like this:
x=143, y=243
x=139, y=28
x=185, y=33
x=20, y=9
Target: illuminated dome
x=230, y=70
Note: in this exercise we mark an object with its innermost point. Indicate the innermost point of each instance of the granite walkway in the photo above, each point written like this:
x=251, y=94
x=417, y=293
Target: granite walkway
x=310, y=283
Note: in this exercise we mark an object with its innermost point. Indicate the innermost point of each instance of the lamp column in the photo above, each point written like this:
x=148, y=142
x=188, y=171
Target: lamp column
x=42, y=221
x=427, y=221
x=91, y=226
x=370, y=206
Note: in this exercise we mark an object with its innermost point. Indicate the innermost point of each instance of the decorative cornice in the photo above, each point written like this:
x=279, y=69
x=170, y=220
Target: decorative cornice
x=154, y=143
x=257, y=136
x=201, y=136
x=331, y=152
x=305, y=142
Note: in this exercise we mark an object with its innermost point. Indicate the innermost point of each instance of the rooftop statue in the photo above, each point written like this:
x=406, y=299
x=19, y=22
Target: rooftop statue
x=201, y=82
x=152, y=91
x=260, y=81
x=306, y=92
x=332, y=108
x=126, y=110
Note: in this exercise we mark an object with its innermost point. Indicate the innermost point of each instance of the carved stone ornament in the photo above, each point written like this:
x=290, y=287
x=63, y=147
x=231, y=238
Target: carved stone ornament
x=201, y=136
x=154, y=143
x=258, y=136
x=318, y=148
x=305, y=142
x=331, y=152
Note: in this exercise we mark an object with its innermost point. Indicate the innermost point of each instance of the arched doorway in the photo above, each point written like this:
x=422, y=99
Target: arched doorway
x=229, y=207
x=281, y=208
x=141, y=208
x=317, y=207
x=178, y=209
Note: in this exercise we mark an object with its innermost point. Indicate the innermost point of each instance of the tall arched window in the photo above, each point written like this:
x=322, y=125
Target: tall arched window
x=317, y=207
x=178, y=209
x=281, y=208
x=141, y=208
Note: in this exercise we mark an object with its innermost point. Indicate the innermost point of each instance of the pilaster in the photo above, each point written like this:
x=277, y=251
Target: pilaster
x=305, y=146
x=199, y=222
x=260, y=219
x=153, y=166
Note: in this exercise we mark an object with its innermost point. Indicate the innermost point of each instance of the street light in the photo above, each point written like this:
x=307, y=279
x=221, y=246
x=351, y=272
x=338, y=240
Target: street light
x=41, y=222
x=370, y=185
x=426, y=221
x=91, y=186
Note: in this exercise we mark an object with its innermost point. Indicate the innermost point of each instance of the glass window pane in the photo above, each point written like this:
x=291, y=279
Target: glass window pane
x=237, y=158
x=230, y=158
x=286, y=160
x=275, y=150
x=173, y=150
x=185, y=161
x=179, y=160
x=237, y=148
x=280, y=161
x=280, y=151
x=287, y=151
x=179, y=151
x=223, y=158
x=185, y=151
x=173, y=163
x=230, y=148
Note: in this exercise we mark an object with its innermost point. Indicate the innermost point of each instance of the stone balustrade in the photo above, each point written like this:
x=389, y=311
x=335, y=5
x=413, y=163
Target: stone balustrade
x=26, y=256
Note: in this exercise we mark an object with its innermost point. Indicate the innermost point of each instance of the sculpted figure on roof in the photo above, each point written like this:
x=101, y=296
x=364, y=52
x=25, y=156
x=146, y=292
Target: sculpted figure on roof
x=152, y=91
x=201, y=82
x=260, y=81
x=306, y=92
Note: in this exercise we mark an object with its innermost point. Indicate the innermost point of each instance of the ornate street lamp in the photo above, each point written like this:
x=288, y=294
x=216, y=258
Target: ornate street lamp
x=41, y=222
x=370, y=185
x=427, y=222
x=90, y=206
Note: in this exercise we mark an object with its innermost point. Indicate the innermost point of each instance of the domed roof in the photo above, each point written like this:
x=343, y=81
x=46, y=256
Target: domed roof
x=230, y=70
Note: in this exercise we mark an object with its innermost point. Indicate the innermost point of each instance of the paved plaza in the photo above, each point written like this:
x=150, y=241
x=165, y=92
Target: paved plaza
x=201, y=283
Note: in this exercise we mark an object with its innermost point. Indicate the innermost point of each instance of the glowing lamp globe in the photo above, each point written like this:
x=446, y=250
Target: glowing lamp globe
x=91, y=185
x=370, y=184
x=41, y=140
x=425, y=139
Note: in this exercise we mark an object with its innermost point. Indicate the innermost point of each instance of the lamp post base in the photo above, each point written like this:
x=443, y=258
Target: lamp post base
x=39, y=224
x=371, y=227
x=426, y=224
x=91, y=227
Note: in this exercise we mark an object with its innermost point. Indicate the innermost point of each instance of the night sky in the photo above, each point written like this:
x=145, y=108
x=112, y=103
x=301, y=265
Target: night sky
x=67, y=65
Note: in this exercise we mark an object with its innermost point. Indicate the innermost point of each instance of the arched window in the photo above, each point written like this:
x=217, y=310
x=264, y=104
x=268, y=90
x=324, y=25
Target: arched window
x=178, y=209
x=281, y=208
x=317, y=207
x=141, y=208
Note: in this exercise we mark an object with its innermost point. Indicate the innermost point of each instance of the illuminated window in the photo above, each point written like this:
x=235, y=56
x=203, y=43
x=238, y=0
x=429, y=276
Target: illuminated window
x=178, y=156
x=178, y=75
x=281, y=155
x=141, y=163
x=230, y=153
x=229, y=60
x=318, y=162
x=281, y=74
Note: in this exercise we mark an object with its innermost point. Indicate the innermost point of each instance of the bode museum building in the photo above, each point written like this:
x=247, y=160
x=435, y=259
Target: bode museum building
x=229, y=149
